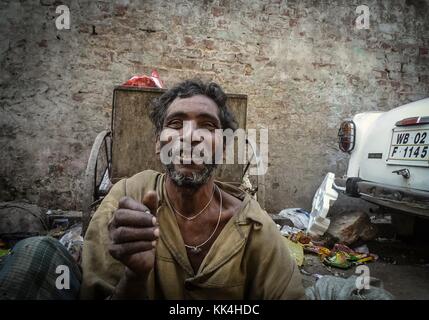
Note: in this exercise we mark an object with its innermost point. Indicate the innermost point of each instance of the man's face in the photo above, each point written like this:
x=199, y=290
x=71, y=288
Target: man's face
x=189, y=126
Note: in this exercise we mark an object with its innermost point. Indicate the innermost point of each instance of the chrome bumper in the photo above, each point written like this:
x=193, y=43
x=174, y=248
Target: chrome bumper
x=403, y=199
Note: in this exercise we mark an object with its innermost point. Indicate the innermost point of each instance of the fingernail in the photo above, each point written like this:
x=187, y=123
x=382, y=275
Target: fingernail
x=156, y=232
x=154, y=244
x=154, y=221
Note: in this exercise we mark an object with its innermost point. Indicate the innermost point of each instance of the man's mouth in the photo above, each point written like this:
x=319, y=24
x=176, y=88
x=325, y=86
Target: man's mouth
x=185, y=159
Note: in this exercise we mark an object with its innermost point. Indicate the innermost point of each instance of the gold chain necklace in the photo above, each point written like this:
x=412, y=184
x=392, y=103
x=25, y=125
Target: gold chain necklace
x=197, y=249
x=194, y=216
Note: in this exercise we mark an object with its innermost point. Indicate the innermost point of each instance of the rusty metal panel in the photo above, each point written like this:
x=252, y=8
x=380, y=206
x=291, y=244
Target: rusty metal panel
x=133, y=139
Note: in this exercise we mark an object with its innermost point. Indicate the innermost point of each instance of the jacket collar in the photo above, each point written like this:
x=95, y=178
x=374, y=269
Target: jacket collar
x=234, y=233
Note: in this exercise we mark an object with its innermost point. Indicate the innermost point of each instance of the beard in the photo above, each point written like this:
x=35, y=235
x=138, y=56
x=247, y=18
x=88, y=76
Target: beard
x=195, y=181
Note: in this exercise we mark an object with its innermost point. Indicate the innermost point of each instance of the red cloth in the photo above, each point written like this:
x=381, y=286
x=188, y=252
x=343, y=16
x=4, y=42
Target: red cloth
x=152, y=81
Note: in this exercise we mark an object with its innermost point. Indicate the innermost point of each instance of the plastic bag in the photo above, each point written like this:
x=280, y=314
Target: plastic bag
x=299, y=217
x=73, y=241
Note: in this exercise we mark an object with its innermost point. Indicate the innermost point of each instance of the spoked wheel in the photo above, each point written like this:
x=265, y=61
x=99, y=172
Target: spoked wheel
x=97, y=175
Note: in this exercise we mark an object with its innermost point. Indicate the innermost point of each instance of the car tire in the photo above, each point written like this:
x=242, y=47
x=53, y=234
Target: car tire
x=352, y=188
x=403, y=224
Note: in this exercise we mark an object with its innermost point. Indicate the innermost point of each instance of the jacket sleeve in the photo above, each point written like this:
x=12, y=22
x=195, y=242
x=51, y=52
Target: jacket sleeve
x=274, y=274
x=100, y=271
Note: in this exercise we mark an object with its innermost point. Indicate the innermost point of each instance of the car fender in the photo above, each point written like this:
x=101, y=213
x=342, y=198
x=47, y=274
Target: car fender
x=363, y=123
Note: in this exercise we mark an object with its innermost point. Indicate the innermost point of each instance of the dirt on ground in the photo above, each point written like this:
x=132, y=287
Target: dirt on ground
x=402, y=266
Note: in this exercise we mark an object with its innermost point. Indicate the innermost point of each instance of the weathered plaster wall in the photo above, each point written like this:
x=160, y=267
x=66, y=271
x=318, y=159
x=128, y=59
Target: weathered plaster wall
x=303, y=64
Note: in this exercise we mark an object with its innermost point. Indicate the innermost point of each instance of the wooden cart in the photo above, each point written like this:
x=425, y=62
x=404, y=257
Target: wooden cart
x=129, y=147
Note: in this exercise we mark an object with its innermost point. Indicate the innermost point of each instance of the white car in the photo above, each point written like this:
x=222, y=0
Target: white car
x=389, y=157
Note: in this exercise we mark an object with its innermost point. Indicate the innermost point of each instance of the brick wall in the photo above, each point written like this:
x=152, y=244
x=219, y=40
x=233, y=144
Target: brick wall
x=303, y=64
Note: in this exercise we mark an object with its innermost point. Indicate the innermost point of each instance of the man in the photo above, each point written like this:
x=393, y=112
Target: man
x=181, y=234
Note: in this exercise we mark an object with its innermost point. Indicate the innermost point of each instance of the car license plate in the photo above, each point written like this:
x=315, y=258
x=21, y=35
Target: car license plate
x=409, y=146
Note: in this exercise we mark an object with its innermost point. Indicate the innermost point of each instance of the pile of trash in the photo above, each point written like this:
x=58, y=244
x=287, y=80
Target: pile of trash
x=294, y=228
x=340, y=256
x=304, y=231
x=73, y=241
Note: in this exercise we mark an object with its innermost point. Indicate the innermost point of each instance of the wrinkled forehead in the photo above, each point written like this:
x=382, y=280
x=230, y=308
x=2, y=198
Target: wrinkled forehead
x=194, y=106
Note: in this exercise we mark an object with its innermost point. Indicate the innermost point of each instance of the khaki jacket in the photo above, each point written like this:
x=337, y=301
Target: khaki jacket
x=248, y=260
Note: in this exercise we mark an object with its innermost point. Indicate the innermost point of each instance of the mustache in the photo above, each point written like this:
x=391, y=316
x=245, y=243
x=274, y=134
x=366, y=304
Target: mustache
x=193, y=181
x=188, y=151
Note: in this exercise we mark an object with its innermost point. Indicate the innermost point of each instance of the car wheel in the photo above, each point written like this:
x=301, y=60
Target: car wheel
x=403, y=224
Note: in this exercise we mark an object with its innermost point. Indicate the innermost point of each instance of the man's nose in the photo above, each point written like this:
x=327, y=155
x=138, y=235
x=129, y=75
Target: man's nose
x=189, y=127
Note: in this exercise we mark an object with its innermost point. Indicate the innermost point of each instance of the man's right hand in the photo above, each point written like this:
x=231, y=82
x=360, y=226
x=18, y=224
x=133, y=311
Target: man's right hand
x=133, y=232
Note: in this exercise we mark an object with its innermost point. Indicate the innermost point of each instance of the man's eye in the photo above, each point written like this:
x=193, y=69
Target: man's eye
x=209, y=126
x=175, y=124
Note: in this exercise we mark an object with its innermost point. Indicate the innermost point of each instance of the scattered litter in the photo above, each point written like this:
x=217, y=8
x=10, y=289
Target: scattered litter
x=305, y=272
x=325, y=195
x=296, y=251
x=339, y=247
x=248, y=187
x=343, y=257
x=387, y=219
x=321, y=251
x=338, y=260
x=4, y=252
x=288, y=231
x=308, y=262
x=315, y=223
x=335, y=288
x=340, y=256
x=73, y=241
x=298, y=217
x=4, y=249
x=335, y=272
x=315, y=275
x=300, y=237
x=362, y=249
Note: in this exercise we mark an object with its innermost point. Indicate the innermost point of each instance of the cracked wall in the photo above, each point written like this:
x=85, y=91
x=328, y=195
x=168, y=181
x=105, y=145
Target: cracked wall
x=303, y=64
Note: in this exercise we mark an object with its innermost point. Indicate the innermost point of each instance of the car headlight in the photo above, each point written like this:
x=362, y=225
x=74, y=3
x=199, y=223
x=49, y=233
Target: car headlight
x=346, y=136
